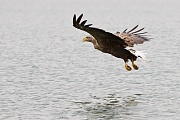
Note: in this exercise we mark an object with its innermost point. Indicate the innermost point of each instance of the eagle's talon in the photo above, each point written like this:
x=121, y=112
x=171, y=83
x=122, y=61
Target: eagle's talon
x=128, y=68
x=135, y=67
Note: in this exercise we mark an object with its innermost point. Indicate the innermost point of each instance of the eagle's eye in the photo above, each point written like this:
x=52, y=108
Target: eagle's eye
x=89, y=39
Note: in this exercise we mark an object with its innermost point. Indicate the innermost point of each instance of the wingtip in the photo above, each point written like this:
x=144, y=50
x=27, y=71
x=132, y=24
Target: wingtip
x=83, y=22
x=77, y=21
x=136, y=26
x=138, y=30
x=81, y=14
x=74, y=16
x=88, y=25
x=133, y=29
x=124, y=30
x=74, y=19
x=79, y=18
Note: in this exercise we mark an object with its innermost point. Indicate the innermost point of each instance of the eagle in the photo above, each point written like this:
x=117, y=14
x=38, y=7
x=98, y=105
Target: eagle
x=119, y=45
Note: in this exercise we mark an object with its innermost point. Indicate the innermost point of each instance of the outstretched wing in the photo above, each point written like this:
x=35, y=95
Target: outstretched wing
x=103, y=38
x=133, y=36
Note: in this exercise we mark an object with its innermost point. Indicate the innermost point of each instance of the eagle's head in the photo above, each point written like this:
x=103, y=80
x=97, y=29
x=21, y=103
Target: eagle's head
x=88, y=39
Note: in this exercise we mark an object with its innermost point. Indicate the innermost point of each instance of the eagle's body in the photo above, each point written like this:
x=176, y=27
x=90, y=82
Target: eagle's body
x=116, y=51
x=114, y=44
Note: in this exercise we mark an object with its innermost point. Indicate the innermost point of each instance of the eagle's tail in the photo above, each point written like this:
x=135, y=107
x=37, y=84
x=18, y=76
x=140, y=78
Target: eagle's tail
x=139, y=54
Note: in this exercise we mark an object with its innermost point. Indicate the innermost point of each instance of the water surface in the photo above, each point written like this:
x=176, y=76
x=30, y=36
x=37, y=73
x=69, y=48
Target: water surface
x=48, y=73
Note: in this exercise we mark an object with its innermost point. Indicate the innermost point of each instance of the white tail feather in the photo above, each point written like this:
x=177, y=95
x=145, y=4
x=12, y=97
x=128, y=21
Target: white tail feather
x=139, y=54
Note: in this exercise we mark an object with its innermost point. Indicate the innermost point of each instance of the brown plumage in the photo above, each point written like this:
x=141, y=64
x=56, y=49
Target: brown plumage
x=114, y=44
x=133, y=37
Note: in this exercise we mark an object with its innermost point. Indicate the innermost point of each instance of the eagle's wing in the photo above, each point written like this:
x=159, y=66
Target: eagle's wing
x=103, y=38
x=133, y=36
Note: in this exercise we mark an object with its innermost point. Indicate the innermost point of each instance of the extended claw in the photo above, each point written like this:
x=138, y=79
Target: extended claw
x=128, y=68
x=134, y=66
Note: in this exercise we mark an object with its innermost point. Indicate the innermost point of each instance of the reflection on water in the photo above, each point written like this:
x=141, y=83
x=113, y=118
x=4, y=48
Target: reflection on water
x=106, y=108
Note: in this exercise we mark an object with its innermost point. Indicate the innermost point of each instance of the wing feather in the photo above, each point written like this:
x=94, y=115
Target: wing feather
x=143, y=33
x=88, y=25
x=138, y=30
x=74, y=19
x=83, y=22
x=79, y=19
x=124, y=31
x=103, y=38
x=132, y=29
x=135, y=37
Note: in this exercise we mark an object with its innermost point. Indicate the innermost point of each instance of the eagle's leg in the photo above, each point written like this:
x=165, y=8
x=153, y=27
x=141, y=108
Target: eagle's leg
x=128, y=68
x=134, y=65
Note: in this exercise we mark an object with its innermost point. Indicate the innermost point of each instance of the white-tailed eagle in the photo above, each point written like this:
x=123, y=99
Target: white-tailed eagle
x=115, y=44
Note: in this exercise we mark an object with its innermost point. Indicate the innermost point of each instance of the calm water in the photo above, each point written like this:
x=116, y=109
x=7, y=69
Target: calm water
x=48, y=73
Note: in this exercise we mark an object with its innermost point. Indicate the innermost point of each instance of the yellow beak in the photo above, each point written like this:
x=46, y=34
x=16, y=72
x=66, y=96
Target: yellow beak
x=84, y=39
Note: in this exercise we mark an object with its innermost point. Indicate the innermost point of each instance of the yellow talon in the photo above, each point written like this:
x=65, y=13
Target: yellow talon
x=128, y=68
x=134, y=65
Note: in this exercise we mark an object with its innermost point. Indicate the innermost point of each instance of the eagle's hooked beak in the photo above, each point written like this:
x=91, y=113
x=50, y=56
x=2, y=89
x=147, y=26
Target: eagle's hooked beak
x=84, y=39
